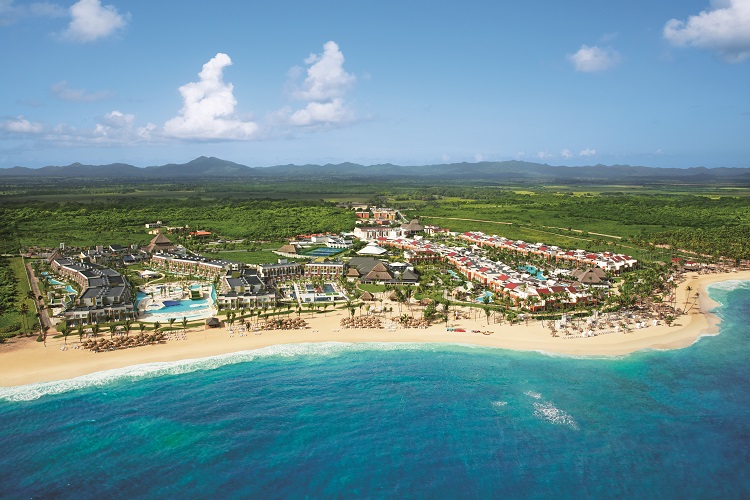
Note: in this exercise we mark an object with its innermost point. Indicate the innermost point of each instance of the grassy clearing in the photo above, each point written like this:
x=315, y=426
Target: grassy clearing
x=245, y=256
x=13, y=317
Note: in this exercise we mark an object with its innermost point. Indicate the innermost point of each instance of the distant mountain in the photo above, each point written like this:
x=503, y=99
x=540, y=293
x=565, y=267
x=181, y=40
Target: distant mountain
x=488, y=172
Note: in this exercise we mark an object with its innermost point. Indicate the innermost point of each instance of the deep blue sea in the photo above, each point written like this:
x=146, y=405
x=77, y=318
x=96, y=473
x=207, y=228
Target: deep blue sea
x=379, y=420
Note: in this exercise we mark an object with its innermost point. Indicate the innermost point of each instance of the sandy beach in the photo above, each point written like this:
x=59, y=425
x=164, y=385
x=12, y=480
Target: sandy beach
x=25, y=361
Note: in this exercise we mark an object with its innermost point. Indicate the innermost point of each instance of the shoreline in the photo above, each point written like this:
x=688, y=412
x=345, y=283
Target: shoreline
x=25, y=361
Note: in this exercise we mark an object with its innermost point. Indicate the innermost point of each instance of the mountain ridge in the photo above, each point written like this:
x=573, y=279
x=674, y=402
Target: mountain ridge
x=212, y=167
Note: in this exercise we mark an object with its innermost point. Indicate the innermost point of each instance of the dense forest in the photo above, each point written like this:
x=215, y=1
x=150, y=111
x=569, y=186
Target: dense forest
x=104, y=212
x=97, y=223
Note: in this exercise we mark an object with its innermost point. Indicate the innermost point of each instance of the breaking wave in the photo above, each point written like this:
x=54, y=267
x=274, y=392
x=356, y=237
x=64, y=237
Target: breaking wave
x=549, y=412
x=730, y=285
x=152, y=370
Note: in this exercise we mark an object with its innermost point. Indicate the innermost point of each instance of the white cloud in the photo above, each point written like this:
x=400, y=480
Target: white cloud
x=326, y=78
x=324, y=87
x=208, y=107
x=724, y=29
x=90, y=20
x=63, y=91
x=117, y=119
x=588, y=152
x=314, y=113
x=543, y=155
x=114, y=128
x=566, y=153
x=11, y=13
x=118, y=127
x=594, y=59
x=21, y=125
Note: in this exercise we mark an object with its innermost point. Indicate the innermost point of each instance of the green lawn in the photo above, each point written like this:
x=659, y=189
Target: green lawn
x=247, y=257
x=371, y=287
x=13, y=317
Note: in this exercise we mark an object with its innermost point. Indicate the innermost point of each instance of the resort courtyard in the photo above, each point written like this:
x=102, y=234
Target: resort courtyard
x=161, y=302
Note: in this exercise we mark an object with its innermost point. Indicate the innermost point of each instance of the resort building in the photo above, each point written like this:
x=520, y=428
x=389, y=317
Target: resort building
x=106, y=294
x=370, y=233
x=290, y=250
x=244, y=288
x=281, y=271
x=372, y=249
x=159, y=243
x=411, y=228
x=323, y=268
x=387, y=214
x=192, y=265
x=611, y=262
x=372, y=270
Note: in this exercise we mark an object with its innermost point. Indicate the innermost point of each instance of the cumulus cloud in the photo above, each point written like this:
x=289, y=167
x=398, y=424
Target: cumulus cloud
x=21, y=125
x=326, y=78
x=594, y=59
x=324, y=87
x=119, y=127
x=724, y=29
x=314, y=113
x=90, y=21
x=208, y=110
x=114, y=128
x=10, y=12
x=588, y=152
x=63, y=91
x=566, y=153
x=544, y=155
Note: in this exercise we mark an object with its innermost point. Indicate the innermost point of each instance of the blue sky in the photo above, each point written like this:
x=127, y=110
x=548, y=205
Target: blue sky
x=263, y=83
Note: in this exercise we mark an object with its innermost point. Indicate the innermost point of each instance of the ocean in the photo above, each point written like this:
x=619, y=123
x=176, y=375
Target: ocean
x=395, y=420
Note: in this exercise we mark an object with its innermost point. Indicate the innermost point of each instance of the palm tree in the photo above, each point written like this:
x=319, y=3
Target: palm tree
x=95, y=329
x=142, y=327
x=128, y=327
x=171, y=324
x=688, y=289
x=408, y=293
x=112, y=328
x=80, y=330
x=157, y=326
x=23, y=310
x=184, y=324
x=65, y=330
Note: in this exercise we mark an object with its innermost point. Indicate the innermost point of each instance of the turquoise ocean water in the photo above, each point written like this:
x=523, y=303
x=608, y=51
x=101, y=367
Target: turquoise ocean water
x=340, y=420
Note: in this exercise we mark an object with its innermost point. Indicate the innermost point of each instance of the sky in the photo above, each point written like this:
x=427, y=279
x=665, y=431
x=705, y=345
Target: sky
x=580, y=82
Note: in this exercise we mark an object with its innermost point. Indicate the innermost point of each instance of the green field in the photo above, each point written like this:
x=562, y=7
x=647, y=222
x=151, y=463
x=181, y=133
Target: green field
x=247, y=257
x=14, y=291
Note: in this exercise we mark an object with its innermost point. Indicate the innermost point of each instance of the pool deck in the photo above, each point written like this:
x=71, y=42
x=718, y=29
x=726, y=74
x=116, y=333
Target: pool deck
x=148, y=313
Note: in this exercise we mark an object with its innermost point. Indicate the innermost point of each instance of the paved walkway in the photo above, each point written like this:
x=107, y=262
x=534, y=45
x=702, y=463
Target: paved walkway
x=43, y=316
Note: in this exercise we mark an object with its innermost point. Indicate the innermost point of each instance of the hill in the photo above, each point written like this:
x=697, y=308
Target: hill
x=485, y=172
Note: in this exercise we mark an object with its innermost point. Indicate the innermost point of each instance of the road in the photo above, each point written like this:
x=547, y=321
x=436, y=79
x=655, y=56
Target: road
x=34, y=283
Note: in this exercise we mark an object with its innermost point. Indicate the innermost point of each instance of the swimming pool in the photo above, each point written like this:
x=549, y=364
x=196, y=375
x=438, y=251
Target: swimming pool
x=190, y=309
x=533, y=271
